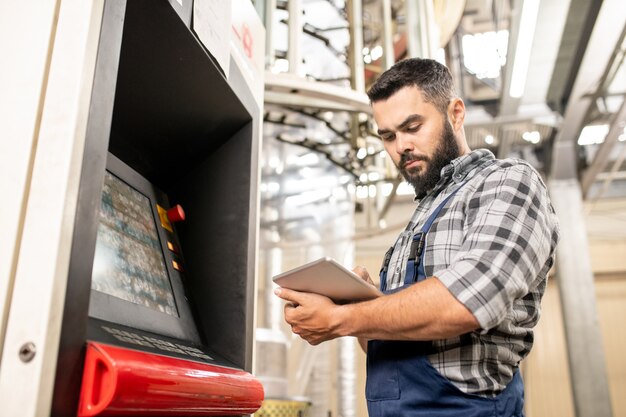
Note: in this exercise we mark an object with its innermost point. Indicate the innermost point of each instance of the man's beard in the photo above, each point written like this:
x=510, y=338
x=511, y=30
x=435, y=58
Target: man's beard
x=424, y=180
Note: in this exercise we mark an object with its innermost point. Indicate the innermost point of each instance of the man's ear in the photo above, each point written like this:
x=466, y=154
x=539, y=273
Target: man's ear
x=456, y=113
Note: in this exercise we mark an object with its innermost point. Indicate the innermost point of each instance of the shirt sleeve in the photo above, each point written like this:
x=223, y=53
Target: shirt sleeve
x=510, y=234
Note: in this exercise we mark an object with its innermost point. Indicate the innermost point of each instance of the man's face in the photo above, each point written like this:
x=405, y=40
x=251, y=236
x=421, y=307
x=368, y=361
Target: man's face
x=419, y=139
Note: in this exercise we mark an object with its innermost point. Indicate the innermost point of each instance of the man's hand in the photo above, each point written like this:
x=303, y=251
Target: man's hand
x=362, y=272
x=313, y=317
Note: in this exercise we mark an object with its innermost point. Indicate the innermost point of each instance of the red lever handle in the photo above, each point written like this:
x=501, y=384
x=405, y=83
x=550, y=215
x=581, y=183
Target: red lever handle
x=99, y=382
x=124, y=382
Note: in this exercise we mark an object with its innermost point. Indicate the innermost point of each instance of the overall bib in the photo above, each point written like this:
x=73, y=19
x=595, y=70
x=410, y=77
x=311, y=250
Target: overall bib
x=401, y=382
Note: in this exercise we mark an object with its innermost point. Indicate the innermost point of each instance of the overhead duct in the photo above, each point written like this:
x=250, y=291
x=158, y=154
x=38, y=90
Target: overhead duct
x=581, y=19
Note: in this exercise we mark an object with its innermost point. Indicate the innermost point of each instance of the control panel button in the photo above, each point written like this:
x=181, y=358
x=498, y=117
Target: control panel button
x=177, y=266
x=176, y=214
x=165, y=223
x=172, y=247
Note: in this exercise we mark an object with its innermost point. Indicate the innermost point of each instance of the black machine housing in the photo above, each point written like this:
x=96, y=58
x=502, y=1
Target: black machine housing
x=163, y=111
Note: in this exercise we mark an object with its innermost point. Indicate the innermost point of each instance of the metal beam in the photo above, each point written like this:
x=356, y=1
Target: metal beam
x=578, y=303
x=591, y=78
x=390, y=199
x=614, y=174
x=601, y=158
x=504, y=146
x=618, y=175
x=617, y=190
x=297, y=91
x=573, y=265
x=355, y=58
x=551, y=20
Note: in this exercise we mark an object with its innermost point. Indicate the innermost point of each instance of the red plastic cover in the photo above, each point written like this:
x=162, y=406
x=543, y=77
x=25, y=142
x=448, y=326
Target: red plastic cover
x=119, y=381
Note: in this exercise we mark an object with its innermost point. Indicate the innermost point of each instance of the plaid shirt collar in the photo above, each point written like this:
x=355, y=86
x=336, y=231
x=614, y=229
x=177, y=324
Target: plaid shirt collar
x=458, y=169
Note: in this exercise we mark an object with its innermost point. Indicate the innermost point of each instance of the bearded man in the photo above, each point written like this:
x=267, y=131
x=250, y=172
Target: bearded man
x=463, y=282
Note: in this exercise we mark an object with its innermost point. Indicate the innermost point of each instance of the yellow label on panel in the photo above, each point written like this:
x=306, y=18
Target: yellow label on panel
x=163, y=217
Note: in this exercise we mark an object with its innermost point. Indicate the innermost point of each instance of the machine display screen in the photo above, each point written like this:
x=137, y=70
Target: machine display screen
x=129, y=262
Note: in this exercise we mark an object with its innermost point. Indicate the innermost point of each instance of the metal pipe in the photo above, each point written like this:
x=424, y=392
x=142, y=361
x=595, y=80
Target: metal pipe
x=269, y=7
x=420, y=27
x=273, y=305
x=347, y=377
x=294, y=54
x=355, y=53
x=388, y=51
x=414, y=49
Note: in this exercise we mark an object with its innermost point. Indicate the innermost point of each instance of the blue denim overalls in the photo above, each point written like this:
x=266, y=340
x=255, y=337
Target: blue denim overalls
x=401, y=382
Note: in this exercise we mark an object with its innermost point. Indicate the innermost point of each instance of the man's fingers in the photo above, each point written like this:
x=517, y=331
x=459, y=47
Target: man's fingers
x=362, y=272
x=287, y=311
x=294, y=297
x=301, y=313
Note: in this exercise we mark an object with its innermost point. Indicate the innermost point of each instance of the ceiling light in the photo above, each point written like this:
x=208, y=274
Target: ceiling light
x=533, y=137
x=377, y=52
x=483, y=52
x=361, y=192
x=593, y=134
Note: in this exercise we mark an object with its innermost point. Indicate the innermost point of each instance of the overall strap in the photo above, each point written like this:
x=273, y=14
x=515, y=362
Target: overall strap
x=417, y=246
x=416, y=253
x=435, y=214
x=383, y=269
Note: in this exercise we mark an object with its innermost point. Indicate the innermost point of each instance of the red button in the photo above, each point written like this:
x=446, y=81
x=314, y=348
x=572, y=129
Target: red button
x=176, y=214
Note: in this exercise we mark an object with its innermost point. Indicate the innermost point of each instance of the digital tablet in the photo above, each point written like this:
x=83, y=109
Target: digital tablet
x=327, y=277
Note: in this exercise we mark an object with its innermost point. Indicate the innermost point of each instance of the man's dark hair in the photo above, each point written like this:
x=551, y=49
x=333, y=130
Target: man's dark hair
x=432, y=78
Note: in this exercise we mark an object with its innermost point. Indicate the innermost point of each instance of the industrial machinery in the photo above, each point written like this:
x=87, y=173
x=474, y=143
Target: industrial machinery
x=159, y=301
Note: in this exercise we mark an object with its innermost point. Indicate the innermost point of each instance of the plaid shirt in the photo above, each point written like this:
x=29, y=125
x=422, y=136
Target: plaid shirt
x=492, y=246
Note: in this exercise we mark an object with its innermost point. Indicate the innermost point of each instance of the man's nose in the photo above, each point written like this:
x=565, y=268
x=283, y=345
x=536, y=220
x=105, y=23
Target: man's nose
x=404, y=143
